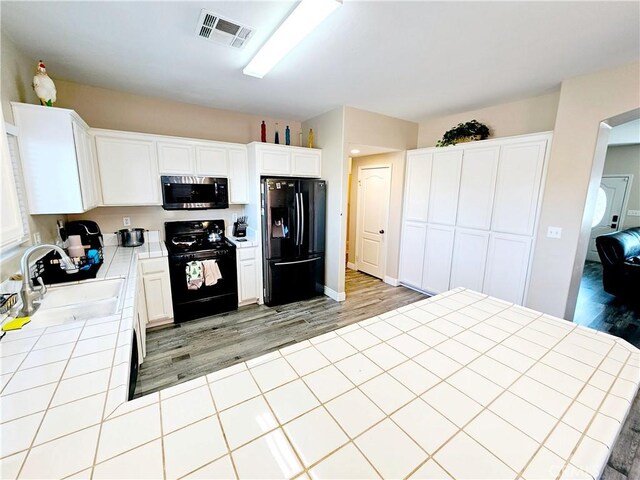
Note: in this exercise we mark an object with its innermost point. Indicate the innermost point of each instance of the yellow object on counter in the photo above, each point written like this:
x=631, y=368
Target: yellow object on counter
x=16, y=324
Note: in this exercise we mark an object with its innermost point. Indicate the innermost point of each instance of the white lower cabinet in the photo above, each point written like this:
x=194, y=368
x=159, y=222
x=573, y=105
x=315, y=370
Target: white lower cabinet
x=437, y=258
x=507, y=265
x=157, y=290
x=141, y=318
x=247, y=275
x=414, y=236
x=469, y=259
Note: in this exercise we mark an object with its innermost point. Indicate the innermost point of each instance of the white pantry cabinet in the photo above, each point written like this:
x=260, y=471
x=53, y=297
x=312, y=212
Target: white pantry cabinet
x=414, y=237
x=470, y=215
x=285, y=160
x=247, y=267
x=157, y=290
x=57, y=159
x=128, y=168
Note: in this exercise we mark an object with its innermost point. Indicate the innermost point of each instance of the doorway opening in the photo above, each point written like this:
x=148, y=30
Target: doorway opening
x=376, y=176
x=616, y=211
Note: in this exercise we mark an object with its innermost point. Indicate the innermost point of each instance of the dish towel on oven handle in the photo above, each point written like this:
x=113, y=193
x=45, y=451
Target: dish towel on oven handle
x=195, y=276
x=211, y=272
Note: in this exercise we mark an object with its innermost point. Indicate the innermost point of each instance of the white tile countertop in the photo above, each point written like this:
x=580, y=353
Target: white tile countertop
x=250, y=241
x=456, y=386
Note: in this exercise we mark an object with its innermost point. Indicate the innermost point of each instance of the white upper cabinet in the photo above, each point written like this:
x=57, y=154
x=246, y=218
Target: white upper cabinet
x=445, y=184
x=518, y=186
x=238, y=176
x=417, y=185
x=57, y=160
x=11, y=226
x=175, y=158
x=211, y=161
x=414, y=237
x=477, y=184
x=305, y=163
x=285, y=160
x=128, y=169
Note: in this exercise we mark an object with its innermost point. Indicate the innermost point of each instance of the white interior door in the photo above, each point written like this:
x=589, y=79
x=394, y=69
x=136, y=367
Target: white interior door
x=607, y=217
x=374, y=185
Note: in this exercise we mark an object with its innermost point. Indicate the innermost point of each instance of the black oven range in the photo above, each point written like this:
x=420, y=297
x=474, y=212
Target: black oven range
x=202, y=268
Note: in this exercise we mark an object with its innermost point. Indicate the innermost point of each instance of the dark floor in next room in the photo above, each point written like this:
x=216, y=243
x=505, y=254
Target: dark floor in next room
x=601, y=311
x=185, y=351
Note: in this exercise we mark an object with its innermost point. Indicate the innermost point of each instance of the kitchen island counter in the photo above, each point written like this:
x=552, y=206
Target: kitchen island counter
x=459, y=385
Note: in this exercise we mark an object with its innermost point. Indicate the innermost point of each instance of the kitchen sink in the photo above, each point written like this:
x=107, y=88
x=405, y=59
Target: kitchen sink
x=84, y=301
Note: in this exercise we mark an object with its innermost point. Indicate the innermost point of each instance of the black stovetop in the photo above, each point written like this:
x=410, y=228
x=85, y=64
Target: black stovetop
x=196, y=236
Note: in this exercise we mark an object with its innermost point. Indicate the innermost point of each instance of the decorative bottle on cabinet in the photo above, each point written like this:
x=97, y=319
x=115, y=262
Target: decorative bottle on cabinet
x=263, y=132
x=310, y=138
x=276, y=140
x=287, y=136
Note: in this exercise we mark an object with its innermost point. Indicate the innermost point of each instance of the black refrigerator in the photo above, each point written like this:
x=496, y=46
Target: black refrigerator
x=293, y=238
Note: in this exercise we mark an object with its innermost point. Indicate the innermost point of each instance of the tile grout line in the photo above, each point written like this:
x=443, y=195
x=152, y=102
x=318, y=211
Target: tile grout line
x=595, y=414
x=31, y=445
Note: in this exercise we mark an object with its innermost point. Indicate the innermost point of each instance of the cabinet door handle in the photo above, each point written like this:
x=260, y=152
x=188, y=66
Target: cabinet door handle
x=381, y=232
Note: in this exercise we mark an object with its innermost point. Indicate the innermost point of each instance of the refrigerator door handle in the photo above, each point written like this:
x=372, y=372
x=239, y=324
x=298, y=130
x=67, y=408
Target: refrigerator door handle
x=298, y=261
x=297, y=241
x=301, y=219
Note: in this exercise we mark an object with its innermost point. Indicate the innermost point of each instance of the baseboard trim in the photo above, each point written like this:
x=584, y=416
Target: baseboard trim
x=331, y=293
x=391, y=281
x=351, y=266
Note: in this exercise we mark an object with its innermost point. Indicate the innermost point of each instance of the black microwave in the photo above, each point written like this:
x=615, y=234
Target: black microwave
x=194, y=193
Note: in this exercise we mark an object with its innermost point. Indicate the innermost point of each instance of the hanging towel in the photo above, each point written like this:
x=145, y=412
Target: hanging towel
x=195, y=276
x=211, y=272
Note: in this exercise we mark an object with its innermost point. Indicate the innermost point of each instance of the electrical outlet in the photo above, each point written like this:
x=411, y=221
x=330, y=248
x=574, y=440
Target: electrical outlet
x=554, y=232
x=37, y=239
x=126, y=221
x=633, y=213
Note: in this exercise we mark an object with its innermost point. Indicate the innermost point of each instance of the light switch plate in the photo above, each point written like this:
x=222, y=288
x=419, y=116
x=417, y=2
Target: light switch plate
x=633, y=213
x=126, y=221
x=554, y=232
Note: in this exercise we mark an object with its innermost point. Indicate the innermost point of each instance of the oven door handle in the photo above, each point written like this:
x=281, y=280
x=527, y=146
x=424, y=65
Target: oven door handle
x=298, y=261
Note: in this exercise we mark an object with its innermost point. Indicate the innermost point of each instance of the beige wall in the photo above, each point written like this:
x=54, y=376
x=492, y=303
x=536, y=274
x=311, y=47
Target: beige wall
x=397, y=162
x=531, y=115
x=103, y=108
x=575, y=167
x=335, y=131
x=328, y=131
x=16, y=73
x=625, y=160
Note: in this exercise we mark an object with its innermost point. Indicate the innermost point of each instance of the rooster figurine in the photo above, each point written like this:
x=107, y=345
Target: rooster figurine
x=43, y=86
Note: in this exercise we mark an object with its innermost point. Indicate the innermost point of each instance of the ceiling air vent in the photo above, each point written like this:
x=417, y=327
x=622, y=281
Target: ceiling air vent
x=212, y=26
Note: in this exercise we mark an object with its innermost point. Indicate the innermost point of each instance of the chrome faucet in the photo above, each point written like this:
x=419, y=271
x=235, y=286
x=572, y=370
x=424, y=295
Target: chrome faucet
x=28, y=293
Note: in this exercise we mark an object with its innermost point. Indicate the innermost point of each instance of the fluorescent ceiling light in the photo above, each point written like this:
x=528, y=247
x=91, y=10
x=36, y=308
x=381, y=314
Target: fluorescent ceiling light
x=355, y=151
x=306, y=16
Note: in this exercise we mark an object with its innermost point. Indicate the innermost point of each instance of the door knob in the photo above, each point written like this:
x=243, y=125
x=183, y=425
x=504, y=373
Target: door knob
x=381, y=231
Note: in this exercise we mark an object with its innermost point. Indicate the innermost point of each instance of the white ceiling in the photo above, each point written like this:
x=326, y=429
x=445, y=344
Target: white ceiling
x=411, y=60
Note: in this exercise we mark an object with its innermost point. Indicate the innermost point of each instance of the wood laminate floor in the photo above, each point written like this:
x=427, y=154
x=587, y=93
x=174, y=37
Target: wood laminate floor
x=184, y=351
x=601, y=311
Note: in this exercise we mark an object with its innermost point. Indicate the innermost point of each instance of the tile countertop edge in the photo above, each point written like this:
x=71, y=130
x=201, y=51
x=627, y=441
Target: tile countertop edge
x=36, y=458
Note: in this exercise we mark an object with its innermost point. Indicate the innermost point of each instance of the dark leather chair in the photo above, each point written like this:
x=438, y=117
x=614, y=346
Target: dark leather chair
x=620, y=256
